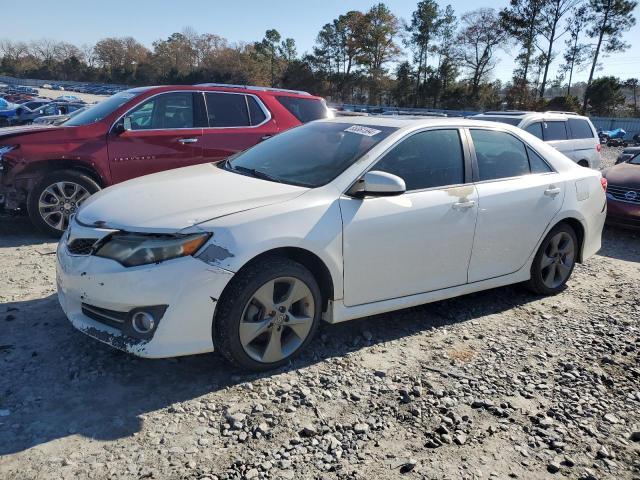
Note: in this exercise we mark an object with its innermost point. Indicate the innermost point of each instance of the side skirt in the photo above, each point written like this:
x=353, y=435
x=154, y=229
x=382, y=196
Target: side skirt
x=341, y=313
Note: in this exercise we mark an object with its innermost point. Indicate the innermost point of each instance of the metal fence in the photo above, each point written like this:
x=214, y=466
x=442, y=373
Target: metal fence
x=630, y=125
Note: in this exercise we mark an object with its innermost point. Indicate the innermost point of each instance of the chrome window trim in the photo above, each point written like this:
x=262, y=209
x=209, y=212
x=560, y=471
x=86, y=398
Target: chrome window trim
x=260, y=104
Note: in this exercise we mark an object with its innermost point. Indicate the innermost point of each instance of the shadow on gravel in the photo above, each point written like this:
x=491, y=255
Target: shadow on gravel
x=17, y=231
x=56, y=382
x=621, y=244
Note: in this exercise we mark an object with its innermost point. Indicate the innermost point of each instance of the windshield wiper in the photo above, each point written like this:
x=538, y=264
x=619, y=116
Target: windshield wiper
x=254, y=173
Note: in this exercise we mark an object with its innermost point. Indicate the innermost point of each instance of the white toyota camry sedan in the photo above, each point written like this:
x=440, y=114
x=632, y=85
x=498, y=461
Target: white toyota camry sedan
x=333, y=220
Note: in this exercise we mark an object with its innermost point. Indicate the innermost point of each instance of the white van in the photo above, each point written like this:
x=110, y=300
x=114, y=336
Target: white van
x=567, y=132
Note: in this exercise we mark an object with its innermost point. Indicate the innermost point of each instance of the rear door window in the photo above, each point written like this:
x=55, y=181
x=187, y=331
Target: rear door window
x=256, y=114
x=499, y=155
x=555, y=131
x=227, y=110
x=426, y=159
x=580, y=128
x=304, y=109
x=535, y=129
x=537, y=164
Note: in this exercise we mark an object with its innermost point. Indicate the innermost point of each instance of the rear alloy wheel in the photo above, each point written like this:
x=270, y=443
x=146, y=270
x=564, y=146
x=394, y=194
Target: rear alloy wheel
x=56, y=198
x=555, y=260
x=268, y=314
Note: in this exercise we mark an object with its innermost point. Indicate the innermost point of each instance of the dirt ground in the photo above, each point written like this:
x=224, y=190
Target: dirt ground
x=498, y=384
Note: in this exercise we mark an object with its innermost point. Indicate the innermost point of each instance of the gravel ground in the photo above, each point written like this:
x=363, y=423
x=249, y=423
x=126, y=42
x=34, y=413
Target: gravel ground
x=498, y=384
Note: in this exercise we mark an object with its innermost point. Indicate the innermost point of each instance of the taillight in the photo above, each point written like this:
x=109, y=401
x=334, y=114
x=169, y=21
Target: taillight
x=598, y=148
x=604, y=183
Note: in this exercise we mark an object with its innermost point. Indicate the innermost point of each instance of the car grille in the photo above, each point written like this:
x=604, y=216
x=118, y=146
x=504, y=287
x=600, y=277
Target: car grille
x=624, y=194
x=108, y=317
x=81, y=246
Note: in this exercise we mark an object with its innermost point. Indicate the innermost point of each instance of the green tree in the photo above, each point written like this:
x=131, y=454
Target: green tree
x=551, y=14
x=379, y=45
x=423, y=29
x=521, y=21
x=576, y=53
x=609, y=19
x=632, y=85
x=269, y=47
x=604, y=95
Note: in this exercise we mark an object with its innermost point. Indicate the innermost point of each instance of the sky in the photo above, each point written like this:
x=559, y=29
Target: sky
x=77, y=22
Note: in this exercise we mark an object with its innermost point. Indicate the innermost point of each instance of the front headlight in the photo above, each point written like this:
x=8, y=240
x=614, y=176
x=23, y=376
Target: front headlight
x=132, y=249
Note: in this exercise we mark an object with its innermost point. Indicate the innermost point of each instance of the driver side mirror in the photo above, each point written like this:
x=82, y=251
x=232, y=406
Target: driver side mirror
x=123, y=125
x=378, y=184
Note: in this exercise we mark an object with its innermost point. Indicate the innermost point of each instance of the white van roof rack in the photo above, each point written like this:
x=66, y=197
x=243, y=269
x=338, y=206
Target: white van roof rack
x=561, y=112
x=252, y=87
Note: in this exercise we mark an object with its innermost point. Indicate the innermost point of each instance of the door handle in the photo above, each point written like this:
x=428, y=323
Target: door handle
x=464, y=205
x=552, y=191
x=265, y=137
x=187, y=140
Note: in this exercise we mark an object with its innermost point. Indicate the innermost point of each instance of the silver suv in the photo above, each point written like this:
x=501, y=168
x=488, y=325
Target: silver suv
x=567, y=132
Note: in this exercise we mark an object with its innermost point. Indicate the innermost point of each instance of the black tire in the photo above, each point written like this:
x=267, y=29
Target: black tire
x=537, y=282
x=70, y=176
x=236, y=297
x=583, y=163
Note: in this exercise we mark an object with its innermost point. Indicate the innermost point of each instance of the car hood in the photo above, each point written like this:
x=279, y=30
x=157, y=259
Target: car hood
x=177, y=199
x=624, y=175
x=26, y=129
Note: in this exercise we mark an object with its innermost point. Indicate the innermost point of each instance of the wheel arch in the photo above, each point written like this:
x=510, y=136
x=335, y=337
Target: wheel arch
x=309, y=260
x=578, y=228
x=44, y=167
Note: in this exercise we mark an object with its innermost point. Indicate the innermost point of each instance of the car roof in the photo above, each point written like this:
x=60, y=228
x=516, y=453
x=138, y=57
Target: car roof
x=411, y=123
x=221, y=87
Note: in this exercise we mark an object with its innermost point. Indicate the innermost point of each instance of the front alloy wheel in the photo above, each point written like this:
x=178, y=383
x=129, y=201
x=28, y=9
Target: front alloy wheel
x=268, y=313
x=59, y=201
x=56, y=197
x=277, y=319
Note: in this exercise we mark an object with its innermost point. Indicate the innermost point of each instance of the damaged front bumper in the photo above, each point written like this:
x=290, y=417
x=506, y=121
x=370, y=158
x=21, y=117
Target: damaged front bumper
x=100, y=296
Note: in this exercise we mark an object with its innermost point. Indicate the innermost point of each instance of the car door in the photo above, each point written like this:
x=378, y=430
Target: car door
x=556, y=134
x=518, y=195
x=161, y=133
x=584, y=140
x=418, y=241
x=236, y=121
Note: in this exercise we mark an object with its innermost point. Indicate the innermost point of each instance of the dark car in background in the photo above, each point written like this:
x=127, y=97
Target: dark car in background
x=50, y=171
x=623, y=193
x=59, y=119
x=627, y=154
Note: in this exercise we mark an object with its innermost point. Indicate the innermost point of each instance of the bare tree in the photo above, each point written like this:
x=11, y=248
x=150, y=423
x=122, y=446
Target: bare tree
x=480, y=37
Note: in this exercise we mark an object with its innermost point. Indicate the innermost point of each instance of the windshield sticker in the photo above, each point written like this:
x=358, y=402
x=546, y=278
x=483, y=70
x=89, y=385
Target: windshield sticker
x=360, y=130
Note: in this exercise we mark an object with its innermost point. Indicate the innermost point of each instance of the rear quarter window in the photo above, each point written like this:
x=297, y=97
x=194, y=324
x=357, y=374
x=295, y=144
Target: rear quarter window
x=304, y=109
x=555, y=131
x=580, y=128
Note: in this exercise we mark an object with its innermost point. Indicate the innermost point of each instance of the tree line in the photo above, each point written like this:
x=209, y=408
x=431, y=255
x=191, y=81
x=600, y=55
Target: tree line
x=435, y=59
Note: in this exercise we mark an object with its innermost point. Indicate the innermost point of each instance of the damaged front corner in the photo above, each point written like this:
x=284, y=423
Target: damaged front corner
x=214, y=254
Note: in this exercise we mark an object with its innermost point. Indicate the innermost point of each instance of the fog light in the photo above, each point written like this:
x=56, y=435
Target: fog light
x=143, y=322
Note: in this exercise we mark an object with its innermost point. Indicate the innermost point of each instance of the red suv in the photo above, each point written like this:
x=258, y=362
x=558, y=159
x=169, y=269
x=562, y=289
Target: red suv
x=52, y=170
